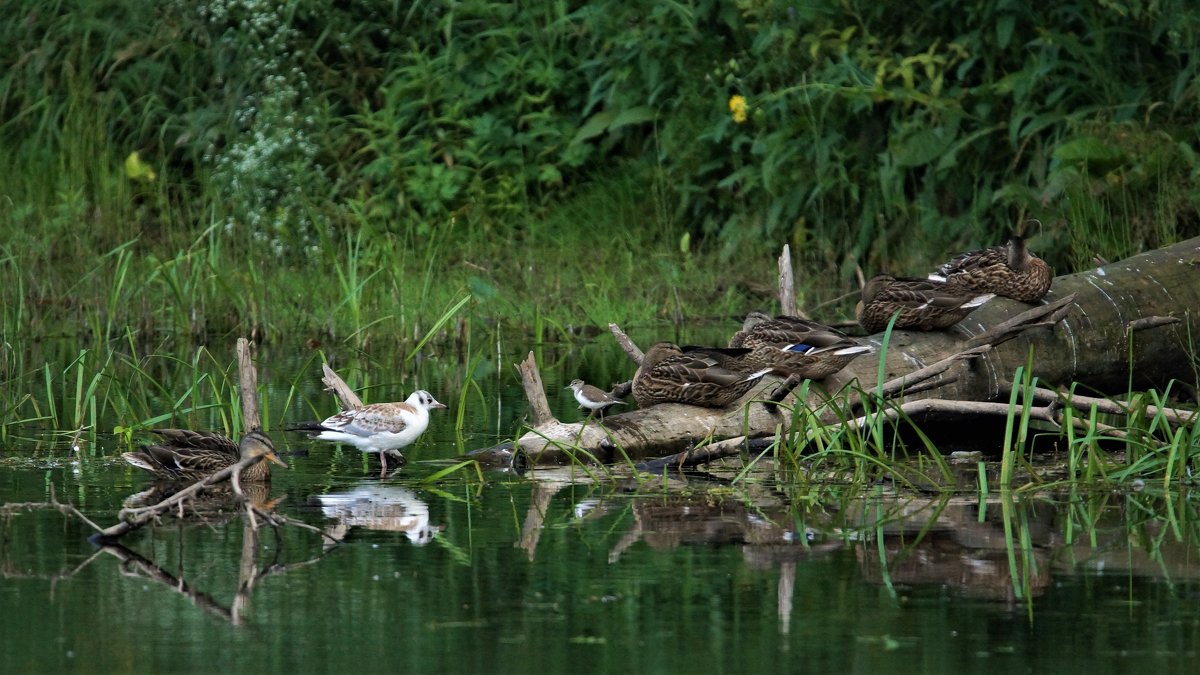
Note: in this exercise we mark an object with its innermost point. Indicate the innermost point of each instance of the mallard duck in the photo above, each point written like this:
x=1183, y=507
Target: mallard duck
x=924, y=304
x=378, y=427
x=794, y=346
x=1008, y=269
x=193, y=455
x=703, y=376
x=594, y=399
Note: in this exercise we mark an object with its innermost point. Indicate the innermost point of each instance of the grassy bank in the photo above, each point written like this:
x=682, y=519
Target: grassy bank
x=202, y=169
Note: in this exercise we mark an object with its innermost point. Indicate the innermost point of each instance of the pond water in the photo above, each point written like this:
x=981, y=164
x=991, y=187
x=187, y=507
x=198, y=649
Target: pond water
x=553, y=571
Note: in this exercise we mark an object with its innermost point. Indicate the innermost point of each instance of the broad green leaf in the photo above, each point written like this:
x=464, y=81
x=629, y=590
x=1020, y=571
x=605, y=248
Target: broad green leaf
x=596, y=125
x=636, y=115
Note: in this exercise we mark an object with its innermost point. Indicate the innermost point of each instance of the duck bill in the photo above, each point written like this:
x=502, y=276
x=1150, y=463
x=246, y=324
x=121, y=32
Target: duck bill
x=275, y=458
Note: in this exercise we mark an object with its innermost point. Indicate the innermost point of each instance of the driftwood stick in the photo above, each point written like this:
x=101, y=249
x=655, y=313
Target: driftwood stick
x=1042, y=315
x=349, y=400
x=278, y=519
x=1087, y=426
x=787, y=284
x=918, y=380
x=942, y=406
x=892, y=387
x=1109, y=406
x=248, y=385
x=535, y=392
x=67, y=509
x=695, y=456
x=622, y=339
x=930, y=384
x=1148, y=322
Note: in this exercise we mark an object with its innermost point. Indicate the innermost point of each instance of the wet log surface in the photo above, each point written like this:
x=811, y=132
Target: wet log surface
x=1127, y=325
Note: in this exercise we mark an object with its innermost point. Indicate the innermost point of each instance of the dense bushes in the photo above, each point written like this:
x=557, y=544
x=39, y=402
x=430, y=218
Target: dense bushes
x=915, y=127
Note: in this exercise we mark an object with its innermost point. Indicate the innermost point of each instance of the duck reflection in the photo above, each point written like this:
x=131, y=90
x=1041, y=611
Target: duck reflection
x=386, y=508
x=943, y=540
x=211, y=506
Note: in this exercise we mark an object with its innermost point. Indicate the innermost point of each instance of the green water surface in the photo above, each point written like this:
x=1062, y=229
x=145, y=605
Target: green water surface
x=553, y=572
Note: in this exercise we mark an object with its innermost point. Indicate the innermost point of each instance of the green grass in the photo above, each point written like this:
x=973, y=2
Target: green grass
x=596, y=176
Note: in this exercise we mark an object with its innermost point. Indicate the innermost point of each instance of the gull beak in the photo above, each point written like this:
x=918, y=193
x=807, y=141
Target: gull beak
x=438, y=405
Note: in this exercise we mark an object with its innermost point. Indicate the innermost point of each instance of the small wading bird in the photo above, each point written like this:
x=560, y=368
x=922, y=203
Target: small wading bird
x=1008, y=269
x=703, y=376
x=594, y=399
x=192, y=455
x=793, y=346
x=923, y=304
x=379, y=427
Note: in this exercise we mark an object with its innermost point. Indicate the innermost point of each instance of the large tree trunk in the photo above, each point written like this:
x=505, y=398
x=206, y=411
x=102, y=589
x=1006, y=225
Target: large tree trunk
x=1129, y=325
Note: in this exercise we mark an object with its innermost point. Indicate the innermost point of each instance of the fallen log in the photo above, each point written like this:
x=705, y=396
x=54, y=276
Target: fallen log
x=1122, y=326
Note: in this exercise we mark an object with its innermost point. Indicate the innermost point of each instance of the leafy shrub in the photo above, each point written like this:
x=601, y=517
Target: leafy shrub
x=870, y=133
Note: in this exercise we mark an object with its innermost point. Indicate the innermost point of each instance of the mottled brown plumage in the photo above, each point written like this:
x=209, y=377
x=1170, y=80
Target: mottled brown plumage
x=1008, y=269
x=923, y=304
x=703, y=376
x=377, y=427
x=793, y=346
x=193, y=455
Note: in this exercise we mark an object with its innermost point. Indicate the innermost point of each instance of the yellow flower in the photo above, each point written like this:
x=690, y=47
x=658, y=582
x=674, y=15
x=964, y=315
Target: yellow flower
x=138, y=170
x=737, y=106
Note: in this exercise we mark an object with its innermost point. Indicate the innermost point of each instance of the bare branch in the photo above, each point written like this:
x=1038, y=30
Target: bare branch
x=1148, y=322
x=626, y=344
x=1042, y=315
x=345, y=395
x=535, y=392
x=248, y=385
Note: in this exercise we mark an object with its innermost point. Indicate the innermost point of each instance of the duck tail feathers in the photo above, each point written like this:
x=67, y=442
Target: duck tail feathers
x=979, y=300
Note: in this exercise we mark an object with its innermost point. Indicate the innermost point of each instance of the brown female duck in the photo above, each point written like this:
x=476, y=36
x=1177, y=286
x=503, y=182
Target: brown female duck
x=193, y=455
x=794, y=346
x=923, y=304
x=700, y=376
x=1008, y=269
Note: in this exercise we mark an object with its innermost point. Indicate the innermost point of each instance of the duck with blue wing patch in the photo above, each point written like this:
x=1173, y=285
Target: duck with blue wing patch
x=794, y=346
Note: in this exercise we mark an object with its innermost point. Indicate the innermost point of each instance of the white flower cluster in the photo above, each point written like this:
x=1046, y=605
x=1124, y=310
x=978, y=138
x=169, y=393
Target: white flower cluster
x=271, y=164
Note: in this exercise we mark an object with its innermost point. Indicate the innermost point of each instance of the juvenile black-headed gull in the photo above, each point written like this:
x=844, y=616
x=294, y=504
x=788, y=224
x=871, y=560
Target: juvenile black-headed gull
x=378, y=427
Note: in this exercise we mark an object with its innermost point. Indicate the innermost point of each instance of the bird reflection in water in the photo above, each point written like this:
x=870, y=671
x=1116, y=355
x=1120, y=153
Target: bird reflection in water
x=378, y=507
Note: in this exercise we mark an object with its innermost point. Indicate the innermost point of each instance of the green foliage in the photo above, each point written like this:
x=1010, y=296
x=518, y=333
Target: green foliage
x=953, y=130
x=439, y=133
